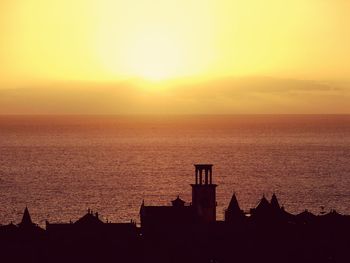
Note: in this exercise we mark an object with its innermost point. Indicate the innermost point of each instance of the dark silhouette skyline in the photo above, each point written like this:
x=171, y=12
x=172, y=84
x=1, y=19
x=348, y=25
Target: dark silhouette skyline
x=185, y=232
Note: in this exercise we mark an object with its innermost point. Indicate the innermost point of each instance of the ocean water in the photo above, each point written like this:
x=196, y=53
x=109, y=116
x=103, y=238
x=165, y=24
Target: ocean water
x=59, y=166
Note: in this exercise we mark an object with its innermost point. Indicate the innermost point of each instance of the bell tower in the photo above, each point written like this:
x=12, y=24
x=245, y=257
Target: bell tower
x=204, y=193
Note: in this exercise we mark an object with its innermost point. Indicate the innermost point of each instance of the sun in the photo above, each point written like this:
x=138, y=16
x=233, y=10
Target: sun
x=145, y=53
x=154, y=56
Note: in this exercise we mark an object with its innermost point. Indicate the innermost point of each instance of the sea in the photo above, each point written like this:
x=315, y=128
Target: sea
x=60, y=166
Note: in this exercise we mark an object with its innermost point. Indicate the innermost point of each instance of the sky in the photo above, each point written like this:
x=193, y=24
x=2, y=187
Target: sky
x=176, y=57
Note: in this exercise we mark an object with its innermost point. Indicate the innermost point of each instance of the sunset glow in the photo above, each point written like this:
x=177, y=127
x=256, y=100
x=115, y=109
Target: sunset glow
x=145, y=131
x=46, y=44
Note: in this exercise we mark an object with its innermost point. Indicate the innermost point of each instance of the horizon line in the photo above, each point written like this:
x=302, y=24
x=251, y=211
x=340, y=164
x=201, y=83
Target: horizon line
x=170, y=114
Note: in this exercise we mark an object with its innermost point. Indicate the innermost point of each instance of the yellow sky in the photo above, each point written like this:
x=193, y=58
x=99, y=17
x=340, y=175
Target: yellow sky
x=160, y=41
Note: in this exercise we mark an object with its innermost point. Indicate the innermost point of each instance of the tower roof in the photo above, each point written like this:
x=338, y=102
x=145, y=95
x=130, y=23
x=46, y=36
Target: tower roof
x=26, y=219
x=306, y=216
x=263, y=204
x=274, y=203
x=178, y=202
x=89, y=219
x=234, y=206
x=203, y=165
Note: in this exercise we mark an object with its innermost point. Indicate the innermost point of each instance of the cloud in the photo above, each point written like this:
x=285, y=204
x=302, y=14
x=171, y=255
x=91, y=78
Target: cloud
x=224, y=96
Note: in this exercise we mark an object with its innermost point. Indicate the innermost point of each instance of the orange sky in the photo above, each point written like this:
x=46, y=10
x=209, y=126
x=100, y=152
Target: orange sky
x=223, y=56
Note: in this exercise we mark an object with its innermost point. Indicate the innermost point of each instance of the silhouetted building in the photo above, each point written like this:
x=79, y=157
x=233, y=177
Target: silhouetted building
x=167, y=217
x=204, y=193
x=8, y=231
x=201, y=210
x=27, y=226
x=185, y=233
x=89, y=239
x=90, y=225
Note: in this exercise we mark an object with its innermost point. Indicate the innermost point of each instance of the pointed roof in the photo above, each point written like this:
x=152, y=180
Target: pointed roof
x=178, y=202
x=263, y=204
x=89, y=219
x=306, y=213
x=234, y=206
x=142, y=206
x=26, y=219
x=306, y=216
x=274, y=203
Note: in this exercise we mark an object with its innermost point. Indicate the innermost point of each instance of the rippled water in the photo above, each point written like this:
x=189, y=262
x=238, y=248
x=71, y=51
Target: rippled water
x=60, y=166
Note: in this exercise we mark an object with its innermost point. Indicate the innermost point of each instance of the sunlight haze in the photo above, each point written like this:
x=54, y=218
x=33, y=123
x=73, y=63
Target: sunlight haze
x=149, y=52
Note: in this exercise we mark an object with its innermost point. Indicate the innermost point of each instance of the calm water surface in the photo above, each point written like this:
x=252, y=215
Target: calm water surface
x=59, y=166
